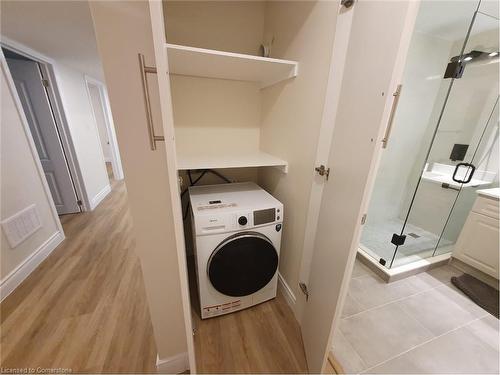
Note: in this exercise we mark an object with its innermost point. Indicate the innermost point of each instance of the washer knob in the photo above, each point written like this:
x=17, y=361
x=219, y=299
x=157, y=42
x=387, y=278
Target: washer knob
x=242, y=220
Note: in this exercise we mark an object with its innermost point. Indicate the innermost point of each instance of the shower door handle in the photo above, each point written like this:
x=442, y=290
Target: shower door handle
x=395, y=102
x=468, y=178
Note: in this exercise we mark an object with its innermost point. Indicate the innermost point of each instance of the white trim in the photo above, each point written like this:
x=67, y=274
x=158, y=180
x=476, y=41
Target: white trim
x=287, y=291
x=174, y=365
x=94, y=202
x=400, y=272
x=22, y=271
x=48, y=66
x=115, y=158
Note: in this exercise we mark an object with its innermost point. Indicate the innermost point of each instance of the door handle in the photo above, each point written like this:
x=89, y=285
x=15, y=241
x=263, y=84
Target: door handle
x=153, y=138
x=446, y=185
x=395, y=102
x=468, y=178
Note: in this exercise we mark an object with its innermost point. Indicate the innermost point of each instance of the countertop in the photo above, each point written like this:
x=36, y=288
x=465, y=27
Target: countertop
x=492, y=193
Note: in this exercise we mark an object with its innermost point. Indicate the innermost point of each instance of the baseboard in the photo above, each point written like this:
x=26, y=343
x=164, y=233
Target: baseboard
x=21, y=272
x=174, y=365
x=287, y=291
x=99, y=197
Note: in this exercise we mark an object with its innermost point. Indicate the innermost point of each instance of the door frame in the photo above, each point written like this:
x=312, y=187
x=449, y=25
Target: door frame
x=116, y=162
x=34, y=152
x=161, y=59
x=47, y=67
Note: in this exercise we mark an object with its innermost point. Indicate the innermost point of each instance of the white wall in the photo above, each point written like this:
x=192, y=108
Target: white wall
x=471, y=100
x=211, y=115
x=422, y=79
x=21, y=185
x=83, y=129
x=76, y=109
x=233, y=26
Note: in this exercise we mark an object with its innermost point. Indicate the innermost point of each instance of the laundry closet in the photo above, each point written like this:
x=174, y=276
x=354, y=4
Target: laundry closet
x=247, y=116
x=250, y=90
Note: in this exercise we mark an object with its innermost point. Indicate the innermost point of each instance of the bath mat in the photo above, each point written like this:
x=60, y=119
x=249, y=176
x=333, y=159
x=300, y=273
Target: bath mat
x=482, y=294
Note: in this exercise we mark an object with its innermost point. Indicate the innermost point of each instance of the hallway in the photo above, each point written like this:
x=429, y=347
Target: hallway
x=84, y=307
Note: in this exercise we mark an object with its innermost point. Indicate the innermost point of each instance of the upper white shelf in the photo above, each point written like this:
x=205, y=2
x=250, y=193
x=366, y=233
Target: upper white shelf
x=240, y=160
x=200, y=62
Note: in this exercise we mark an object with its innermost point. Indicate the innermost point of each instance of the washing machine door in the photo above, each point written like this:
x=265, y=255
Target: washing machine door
x=242, y=264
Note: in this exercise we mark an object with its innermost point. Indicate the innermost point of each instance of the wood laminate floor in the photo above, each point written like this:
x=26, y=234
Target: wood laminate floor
x=262, y=339
x=84, y=308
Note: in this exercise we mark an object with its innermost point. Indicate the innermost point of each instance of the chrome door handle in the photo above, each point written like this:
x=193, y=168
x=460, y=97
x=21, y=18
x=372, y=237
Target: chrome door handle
x=395, y=102
x=153, y=138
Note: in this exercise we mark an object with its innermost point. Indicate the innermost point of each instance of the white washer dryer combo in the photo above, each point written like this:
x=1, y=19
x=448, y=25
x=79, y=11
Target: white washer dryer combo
x=237, y=237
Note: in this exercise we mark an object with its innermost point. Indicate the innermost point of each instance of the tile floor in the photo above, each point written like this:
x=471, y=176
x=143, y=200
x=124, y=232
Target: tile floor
x=419, y=325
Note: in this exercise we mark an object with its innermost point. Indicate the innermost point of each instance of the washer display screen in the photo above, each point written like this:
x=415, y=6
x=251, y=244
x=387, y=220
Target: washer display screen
x=264, y=216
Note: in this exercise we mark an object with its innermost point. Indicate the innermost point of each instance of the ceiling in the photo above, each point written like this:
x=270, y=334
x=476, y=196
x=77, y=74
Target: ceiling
x=450, y=20
x=62, y=30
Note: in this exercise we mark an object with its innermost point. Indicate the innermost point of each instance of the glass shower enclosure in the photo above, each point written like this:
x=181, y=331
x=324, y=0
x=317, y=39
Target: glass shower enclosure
x=443, y=143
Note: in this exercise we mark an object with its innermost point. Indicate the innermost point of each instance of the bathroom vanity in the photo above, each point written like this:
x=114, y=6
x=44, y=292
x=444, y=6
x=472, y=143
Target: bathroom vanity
x=478, y=243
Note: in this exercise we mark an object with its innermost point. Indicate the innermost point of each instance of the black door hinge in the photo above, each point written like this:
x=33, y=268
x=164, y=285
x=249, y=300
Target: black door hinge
x=347, y=3
x=398, y=239
x=323, y=171
x=303, y=288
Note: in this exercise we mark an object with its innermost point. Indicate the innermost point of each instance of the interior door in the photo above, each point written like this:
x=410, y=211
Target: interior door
x=369, y=79
x=98, y=109
x=28, y=80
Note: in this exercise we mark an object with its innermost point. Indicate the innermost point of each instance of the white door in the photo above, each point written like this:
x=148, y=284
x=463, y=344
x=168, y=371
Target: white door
x=98, y=108
x=369, y=78
x=28, y=79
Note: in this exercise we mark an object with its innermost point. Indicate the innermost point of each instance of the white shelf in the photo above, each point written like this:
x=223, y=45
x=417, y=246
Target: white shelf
x=200, y=62
x=244, y=160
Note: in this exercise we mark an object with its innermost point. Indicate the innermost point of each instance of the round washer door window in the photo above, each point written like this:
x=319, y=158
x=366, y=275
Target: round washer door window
x=242, y=264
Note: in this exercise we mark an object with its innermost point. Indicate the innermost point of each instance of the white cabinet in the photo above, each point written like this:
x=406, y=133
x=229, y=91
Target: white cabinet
x=478, y=243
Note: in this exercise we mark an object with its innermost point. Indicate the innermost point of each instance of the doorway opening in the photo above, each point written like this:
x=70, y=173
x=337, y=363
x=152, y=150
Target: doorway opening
x=105, y=129
x=34, y=89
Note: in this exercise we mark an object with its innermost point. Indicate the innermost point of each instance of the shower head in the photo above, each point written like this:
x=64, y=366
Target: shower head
x=456, y=66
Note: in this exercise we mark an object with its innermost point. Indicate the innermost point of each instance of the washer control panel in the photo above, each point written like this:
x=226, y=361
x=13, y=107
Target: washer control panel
x=220, y=222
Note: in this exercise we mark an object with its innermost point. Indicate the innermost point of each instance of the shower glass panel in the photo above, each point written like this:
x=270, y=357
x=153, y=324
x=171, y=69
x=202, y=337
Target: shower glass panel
x=422, y=149
x=486, y=162
x=459, y=160
x=485, y=35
